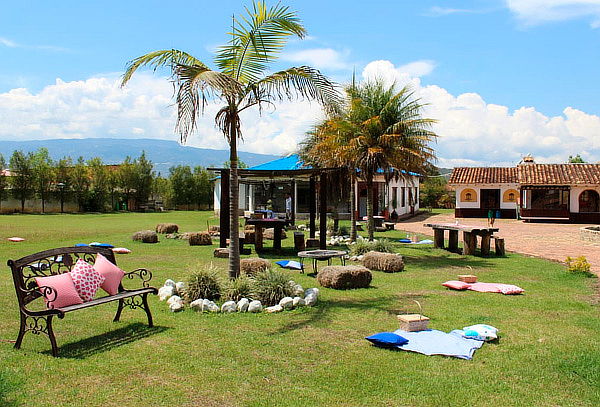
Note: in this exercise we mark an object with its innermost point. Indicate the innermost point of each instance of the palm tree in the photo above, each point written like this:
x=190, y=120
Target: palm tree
x=380, y=131
x=242, y=81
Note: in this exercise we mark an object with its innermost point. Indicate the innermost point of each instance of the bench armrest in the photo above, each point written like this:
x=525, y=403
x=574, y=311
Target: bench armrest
x=143, y=274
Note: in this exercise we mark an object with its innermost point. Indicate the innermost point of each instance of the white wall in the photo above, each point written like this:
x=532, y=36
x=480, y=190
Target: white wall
x=410, y=182
x=478, y=187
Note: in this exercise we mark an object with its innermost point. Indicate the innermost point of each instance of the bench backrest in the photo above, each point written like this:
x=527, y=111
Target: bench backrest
x=48, y=263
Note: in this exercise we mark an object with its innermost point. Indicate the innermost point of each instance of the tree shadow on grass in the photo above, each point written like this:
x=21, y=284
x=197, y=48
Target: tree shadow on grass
x=104, y=342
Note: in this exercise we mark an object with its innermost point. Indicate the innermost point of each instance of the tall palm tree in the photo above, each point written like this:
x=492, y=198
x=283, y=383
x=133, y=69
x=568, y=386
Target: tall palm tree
x=380, y=131
x=242, y=81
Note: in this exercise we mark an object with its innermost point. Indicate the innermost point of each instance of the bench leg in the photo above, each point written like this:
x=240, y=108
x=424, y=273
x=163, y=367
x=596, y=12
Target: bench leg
x=147, y=309
x=119, y=310
x=138, y=301
x=22, y=330
x=37, y=325
x=51, y=336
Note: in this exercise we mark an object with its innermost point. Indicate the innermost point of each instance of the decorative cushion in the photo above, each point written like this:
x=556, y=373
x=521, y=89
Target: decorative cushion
x=509, y=289
x=121, y=250
x=289, y=264
x=480, y=332
x=86, y=279
x=111, y=273
x=64, y=293
x=387, y=339
x=16, y=239
x=98, y=244
x=456, y=285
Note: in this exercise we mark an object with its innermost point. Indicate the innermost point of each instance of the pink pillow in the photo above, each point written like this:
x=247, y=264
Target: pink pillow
x=86, y=279
x=111, y=273
x=509, y=289
x=66, y=294
x=16, y=239
x=456, y=285
x=121, y=250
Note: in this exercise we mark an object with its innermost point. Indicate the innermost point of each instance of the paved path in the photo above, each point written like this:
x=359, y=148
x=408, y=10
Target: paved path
x=554, y=241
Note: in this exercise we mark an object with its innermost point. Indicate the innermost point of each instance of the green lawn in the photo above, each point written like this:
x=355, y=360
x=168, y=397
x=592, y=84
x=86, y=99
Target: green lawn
x=548, y=353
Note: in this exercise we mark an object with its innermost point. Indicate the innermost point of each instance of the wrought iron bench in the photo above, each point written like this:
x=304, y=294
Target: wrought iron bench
x=58, y=261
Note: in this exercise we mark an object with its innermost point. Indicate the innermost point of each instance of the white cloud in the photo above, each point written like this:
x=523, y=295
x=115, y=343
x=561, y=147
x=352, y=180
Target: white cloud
x=472, y=130
x=321, y=58
x=7, y=43
x=12, y=44
x=437, y=11
x=533, y=12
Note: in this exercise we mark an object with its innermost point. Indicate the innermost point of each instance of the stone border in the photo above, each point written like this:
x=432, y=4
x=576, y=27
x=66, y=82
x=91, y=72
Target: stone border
x=590, y=233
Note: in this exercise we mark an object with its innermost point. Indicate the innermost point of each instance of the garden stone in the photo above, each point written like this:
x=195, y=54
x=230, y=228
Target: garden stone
x=310, y=300
x=255, y=306
x=298, y=302
x=298, y=290
x=165, y=292
x=196, y=305
x=286, y=302
x=206, y=305
x=212, y=307
x=174, y=299
x=274, y=308
x=180, y=287
x=242, y=305
x=229, y=306
x=170, y=283
x=310, y=291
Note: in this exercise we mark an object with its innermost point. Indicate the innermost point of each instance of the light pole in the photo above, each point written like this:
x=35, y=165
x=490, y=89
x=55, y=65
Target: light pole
x=61, y=186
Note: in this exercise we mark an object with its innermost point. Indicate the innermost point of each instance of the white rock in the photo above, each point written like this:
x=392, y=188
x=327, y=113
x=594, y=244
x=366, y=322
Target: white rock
x=176, y=306
x=359, y=258
x=298, y=290
x=286, y=302
x=298, y=302
x=165, y=292
x=180, y=287
x=274, y=308
x=174, y=299
x=196, y=305
x=310, y=291
x=206, y=305
x=228, y=306
x=212, y=307
x=310, y=300
x=170, y=283
x=242, y=305
x=255, y=306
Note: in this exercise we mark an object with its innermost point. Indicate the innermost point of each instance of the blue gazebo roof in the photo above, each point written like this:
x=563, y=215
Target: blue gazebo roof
x=289, y=163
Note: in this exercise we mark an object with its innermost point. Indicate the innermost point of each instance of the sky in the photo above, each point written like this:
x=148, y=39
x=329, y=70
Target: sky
x=504, y=78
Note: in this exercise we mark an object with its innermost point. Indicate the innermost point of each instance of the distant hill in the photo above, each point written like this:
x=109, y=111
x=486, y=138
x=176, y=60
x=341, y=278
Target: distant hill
x=163, y=153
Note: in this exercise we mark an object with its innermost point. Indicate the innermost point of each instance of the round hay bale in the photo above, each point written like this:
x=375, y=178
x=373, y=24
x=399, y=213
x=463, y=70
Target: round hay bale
x=221, y=252
x=387, y=262
x=344, y=277
x=145, y=236
x=167, y=228
x=200, y=239
x=254, y=265
x=270, y=234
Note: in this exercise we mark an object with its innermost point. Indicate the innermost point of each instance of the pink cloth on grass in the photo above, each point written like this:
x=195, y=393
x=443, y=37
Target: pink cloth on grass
x=495, y=288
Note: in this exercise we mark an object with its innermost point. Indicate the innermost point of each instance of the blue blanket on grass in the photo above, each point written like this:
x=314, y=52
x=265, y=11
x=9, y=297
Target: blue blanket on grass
x=433, y=342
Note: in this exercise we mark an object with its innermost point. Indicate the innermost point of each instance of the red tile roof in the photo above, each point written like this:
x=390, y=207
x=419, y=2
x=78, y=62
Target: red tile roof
x=559, y=174
x=483, y=175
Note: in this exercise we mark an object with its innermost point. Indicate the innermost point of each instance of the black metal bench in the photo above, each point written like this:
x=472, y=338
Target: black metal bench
x=58, y=261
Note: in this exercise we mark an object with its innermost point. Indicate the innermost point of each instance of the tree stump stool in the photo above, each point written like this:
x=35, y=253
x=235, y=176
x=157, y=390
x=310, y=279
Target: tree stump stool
x=499, y=246
x=299, y=241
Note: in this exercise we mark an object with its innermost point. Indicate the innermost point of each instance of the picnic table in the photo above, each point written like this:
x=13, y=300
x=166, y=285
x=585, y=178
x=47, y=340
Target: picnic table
x=259, y=224
x=470, y=234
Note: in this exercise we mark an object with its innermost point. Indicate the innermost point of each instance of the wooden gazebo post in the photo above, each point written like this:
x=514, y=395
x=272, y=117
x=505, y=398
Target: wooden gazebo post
x=224, y=212
x=323, y=211
x=312, y=206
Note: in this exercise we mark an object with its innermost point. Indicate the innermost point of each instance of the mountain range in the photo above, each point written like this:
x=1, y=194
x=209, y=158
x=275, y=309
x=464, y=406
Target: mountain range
x=164, y=154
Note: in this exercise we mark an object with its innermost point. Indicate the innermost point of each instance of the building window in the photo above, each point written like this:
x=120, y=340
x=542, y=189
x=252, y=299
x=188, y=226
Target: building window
x=403, y=197
x=394, y=197
x=468, y=195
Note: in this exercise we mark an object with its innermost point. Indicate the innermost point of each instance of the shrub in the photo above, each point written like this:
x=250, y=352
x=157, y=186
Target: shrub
x=270, y=286
x=239, y=288
x=580, y=265
x=203, y=283
x=363, y=246
x=383, y=245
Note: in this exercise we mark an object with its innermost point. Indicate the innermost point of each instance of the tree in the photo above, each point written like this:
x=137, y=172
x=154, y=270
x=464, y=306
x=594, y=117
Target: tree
x=241, y=164
x=142, y=179
x=3, y=179
x=576, y=160
x=126, y=177
x=380, y=131
x=202, y=193
x=80, y=182
x=21, y=180
x=242, y=81
x=99, y=185
x=182, y=185
x=43, y=174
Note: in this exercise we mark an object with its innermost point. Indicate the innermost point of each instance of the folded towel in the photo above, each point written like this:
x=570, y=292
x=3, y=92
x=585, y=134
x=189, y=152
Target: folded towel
x=433, y=342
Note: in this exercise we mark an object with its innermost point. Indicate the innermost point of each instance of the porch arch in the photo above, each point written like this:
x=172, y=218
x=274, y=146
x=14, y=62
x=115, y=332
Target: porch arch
x=589, y=201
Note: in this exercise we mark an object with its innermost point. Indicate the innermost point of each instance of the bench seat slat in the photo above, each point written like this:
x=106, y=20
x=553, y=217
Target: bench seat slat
x=109, y=298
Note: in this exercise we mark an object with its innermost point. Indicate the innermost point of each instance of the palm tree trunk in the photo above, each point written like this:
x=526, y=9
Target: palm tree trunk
x=352, y=209
x=370, y=221
x=234, y=196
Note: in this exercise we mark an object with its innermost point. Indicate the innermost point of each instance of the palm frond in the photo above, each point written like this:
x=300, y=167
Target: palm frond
x=256, y=40
x=163, y=58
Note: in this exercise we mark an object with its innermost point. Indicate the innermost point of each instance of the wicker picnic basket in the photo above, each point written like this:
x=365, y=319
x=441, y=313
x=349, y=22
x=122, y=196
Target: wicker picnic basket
x=413, y=322
x=467, y=278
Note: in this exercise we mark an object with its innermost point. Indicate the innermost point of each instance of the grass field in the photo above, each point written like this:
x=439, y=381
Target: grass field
x=548, y=353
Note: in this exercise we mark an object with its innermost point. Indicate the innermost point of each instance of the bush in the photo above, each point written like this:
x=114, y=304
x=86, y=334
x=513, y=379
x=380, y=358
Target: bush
x=270, y=286
x=239, y=288
x=580, y=265
x=363, y=246
x=203, y=283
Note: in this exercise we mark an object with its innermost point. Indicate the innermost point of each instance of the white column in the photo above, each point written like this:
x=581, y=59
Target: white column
x=296, y=198
x=251, y=198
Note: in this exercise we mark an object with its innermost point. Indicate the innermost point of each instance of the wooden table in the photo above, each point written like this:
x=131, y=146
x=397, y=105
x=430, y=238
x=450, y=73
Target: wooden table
x=470, y=234
x=259, y=224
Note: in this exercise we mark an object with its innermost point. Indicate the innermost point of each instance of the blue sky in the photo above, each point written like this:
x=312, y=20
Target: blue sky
x=537, y=54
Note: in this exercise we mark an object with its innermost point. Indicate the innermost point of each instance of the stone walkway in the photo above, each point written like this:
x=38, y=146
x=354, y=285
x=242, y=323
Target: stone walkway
x=554, y=241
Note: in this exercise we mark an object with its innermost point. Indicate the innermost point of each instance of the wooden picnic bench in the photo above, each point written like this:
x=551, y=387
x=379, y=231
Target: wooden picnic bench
x=59, y=261
x=470, y=234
